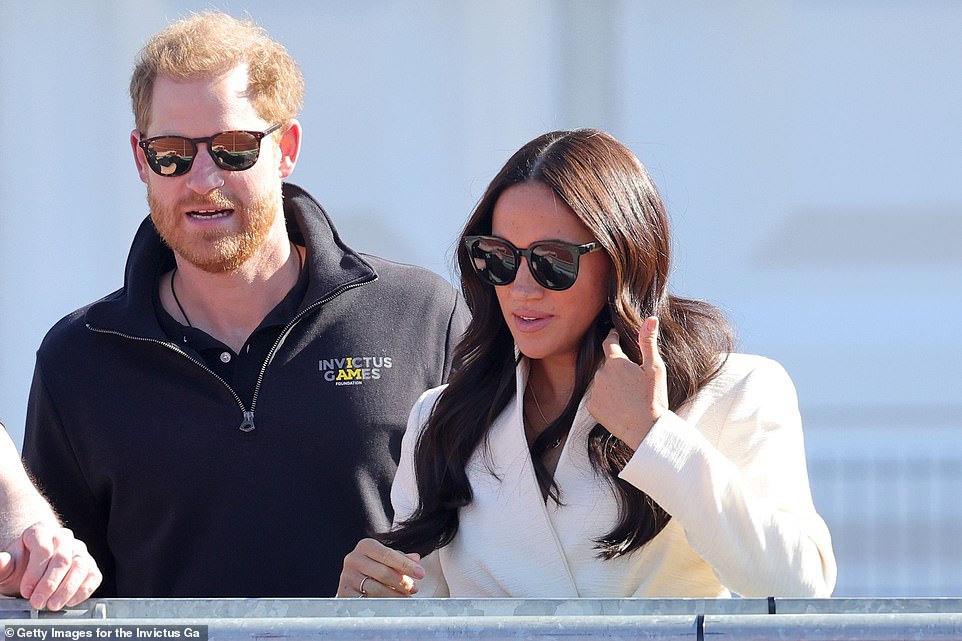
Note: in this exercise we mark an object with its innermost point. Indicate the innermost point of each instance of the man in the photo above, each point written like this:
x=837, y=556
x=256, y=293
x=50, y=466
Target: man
x=39, y=559
x=228, y=423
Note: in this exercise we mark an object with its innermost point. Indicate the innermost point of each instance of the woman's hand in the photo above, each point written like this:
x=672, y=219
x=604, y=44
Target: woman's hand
x=627, y=397
x=375, y=570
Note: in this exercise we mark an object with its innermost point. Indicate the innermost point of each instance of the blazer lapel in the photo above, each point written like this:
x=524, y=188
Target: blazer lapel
x=524, y=517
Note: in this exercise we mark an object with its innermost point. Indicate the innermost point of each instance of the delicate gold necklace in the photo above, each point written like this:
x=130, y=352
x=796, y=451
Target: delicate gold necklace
x=537, y=404
x=543, y=418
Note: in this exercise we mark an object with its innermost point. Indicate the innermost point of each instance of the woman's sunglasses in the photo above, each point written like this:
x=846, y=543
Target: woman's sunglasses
x=231, y=150
x=553, y=263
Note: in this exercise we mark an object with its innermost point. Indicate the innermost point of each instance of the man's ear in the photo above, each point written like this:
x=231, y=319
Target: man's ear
x=139, y=158
x=290, y=146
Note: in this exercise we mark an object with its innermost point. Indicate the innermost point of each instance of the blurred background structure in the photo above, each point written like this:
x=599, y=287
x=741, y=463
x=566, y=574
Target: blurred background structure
x=808, y=152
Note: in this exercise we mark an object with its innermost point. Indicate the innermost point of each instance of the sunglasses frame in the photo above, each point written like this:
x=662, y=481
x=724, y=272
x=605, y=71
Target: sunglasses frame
x=258, y=136
x=577, y=251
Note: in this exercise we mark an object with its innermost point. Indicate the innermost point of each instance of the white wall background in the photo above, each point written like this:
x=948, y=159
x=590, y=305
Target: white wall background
x=808, y=151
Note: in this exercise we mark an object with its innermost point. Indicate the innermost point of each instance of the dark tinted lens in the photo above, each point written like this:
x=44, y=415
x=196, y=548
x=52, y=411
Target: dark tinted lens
x=555, y=266
x=171, y=155
x=235, y=150
x=494, y=261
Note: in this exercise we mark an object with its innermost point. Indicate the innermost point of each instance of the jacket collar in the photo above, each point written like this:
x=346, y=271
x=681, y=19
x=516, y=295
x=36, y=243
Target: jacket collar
x=332, y=266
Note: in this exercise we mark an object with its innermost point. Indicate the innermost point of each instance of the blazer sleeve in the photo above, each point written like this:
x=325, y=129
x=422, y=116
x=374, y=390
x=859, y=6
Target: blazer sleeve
x=404, y=492
x=745, y=501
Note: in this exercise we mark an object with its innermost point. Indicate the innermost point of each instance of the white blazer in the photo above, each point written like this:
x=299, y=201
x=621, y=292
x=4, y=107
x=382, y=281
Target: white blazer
x=729, y=467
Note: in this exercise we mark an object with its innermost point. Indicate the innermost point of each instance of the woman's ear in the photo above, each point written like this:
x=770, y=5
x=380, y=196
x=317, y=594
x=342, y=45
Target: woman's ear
x=604, y=321
x=604, y=318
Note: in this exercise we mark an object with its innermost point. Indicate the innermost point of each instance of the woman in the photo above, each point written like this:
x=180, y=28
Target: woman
x=597, y=438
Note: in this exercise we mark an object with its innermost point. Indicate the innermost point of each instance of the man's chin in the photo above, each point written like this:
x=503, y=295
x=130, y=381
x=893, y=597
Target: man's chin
x=218, y=248
x=218, y=257
x=220, y=263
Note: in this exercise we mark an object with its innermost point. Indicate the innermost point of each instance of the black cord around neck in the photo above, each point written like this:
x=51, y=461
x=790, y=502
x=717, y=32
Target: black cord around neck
x=173, y=291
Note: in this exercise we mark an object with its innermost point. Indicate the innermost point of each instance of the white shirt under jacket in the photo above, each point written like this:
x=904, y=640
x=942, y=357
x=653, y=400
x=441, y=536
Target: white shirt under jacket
x=729, y=467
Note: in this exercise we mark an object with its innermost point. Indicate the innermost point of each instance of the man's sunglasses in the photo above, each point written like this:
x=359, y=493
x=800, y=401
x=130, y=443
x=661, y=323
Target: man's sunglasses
x=553, y=263
x=231, y=150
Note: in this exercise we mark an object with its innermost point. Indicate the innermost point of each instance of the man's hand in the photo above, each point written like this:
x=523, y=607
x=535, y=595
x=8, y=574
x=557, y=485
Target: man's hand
x=48, y=566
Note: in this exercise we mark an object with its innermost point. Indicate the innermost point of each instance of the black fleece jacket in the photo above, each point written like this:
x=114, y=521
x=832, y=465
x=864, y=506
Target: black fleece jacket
x=139, y=445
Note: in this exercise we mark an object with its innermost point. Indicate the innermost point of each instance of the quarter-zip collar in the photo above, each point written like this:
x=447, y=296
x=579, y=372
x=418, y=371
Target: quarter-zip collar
x=332, y=267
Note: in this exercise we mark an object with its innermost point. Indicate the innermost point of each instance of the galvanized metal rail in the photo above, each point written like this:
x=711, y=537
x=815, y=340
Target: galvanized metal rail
x=671, y=619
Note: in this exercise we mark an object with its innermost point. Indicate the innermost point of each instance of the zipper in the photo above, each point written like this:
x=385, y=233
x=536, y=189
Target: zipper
x=287, y=329
x=248, y=414
x=247, y=422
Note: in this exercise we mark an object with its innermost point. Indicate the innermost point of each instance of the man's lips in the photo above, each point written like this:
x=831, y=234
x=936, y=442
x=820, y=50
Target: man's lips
x=209, y=214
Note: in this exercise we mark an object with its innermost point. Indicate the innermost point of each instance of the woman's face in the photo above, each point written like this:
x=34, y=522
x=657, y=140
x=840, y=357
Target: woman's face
x=547, y=324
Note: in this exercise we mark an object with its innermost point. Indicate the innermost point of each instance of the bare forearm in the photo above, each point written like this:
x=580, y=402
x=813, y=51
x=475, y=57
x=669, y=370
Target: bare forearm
x=20, y=511
x=39, y=559
x=21, y=505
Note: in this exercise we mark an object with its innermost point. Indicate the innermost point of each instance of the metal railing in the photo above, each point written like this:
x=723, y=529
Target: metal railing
x=681, y=619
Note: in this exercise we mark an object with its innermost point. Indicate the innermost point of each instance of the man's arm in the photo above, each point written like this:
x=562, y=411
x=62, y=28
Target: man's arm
x=39, y=559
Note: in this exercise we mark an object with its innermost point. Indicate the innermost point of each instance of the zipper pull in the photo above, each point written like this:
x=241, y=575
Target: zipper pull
x=247, y=425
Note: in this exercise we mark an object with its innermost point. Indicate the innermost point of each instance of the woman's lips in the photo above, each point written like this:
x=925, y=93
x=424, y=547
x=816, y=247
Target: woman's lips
x=527, y=321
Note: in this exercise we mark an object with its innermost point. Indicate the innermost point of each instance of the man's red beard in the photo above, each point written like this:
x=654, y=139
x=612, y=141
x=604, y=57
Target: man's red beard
x=215, y=250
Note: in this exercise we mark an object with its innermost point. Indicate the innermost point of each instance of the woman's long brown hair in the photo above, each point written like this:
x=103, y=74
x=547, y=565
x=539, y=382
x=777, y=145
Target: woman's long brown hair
x=610, y=191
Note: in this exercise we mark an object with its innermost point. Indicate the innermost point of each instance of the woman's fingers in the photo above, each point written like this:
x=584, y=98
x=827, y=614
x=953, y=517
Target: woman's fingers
x=375, y=570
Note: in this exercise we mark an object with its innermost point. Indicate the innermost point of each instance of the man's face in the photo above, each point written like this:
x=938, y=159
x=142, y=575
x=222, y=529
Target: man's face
x=211, y=217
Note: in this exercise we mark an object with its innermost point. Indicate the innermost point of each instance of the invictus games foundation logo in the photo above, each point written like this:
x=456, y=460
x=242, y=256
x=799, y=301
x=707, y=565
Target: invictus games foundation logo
x=354, y=370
